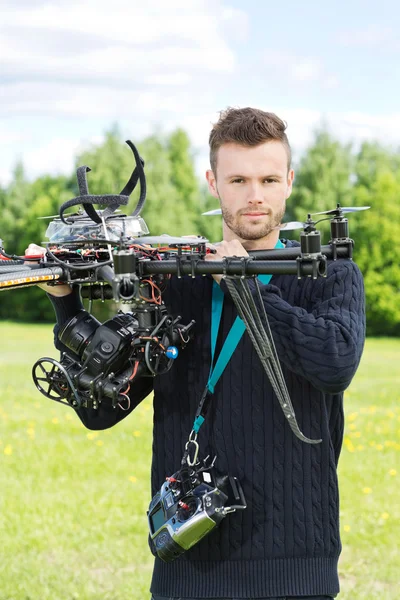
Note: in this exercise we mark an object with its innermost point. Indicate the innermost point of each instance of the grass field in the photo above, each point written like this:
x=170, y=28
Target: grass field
x=73, y=502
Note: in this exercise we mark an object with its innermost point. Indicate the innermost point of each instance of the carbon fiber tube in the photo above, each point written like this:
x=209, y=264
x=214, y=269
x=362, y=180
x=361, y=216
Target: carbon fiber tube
x=12, y=268
x=29, y=277
x=11, y=262
x=234, y=267
x=97, y=292
x=293, y=253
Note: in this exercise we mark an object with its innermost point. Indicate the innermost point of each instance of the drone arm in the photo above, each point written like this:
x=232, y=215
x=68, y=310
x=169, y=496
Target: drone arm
x=324, y=343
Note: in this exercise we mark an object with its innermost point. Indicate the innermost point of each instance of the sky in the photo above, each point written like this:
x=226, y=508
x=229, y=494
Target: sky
x=70, y=70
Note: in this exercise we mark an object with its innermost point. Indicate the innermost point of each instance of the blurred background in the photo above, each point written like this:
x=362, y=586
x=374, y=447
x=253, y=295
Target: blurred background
x=76, y=80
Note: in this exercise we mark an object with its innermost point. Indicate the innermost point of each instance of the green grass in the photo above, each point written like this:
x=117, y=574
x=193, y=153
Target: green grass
x=73, y=502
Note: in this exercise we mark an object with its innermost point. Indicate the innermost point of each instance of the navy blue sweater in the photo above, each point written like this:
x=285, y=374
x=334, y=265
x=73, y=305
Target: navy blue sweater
x=286, y=543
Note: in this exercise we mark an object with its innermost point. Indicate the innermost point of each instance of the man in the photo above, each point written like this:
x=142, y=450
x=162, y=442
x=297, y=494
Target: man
x=286, y=543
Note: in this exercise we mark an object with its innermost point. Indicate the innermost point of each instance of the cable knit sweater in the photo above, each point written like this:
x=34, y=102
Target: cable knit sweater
x=286, y=543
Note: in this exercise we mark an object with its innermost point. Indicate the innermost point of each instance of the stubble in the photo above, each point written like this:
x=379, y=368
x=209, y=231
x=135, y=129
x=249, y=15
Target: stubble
x=252, y=231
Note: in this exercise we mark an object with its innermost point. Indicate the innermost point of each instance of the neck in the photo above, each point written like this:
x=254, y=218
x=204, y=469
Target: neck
x=265, y=243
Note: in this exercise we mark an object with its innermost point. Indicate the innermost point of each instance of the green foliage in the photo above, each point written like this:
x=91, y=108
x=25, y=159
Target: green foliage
x=211, y=226
x=376, y=235
x=15, y=205
x=322, y=179
x=24, y=202
x=329, y=173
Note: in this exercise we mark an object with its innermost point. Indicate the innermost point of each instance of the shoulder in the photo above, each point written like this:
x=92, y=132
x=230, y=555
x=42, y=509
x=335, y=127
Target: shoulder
x=344, y=269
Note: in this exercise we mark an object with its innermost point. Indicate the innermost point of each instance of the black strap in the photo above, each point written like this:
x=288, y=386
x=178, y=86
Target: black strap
x=112, y=201
x=87, y=202
x=138, y=173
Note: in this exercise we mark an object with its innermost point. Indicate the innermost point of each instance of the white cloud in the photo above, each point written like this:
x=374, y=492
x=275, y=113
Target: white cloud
x=299, y=69
x=111, y=103
x=372, y=36
x=345, y=126
x=146, y=61
x=131, y=22
x=56, y=156
x=87, y=41
x=306, y=70
x=138, y=64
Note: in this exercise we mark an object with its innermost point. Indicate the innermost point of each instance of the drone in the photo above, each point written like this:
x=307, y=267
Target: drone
x=111, y=256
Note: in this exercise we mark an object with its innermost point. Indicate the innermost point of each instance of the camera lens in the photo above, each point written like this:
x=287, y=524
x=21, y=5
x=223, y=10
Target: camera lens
x=78, y=332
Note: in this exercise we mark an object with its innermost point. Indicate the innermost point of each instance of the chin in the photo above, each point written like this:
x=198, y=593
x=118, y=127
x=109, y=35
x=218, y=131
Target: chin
x=252, y=233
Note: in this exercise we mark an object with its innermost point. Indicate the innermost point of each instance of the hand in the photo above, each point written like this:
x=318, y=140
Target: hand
x=54, y=290
x=232, y=248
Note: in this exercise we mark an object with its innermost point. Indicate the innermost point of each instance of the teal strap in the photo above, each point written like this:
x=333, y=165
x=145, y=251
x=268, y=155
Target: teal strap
x=234, y=336
x=198, y=422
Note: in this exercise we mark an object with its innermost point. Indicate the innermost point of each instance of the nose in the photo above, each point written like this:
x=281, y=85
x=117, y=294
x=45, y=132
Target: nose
x=254, y=196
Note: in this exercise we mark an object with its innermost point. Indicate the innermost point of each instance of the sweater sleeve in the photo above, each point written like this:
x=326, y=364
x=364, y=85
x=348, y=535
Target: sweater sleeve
x=323, y=345
x=105, y=416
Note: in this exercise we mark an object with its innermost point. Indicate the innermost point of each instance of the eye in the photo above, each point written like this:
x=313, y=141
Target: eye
x=237, y=180
x=270, y=180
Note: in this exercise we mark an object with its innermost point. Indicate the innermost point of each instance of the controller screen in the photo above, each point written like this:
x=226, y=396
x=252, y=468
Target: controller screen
x=157, y=520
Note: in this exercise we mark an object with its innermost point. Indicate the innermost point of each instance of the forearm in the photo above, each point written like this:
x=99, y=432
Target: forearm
x=66, y=306
x=326, y=351
x=105, y=416
x=323, y=345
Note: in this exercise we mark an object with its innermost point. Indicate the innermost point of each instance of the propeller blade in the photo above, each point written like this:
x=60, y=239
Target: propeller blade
x=291, y=226
x=345, y=209
x=349, y=209
x=54, y=216
x=48, y=217
x=79, y=214
x=216, y=211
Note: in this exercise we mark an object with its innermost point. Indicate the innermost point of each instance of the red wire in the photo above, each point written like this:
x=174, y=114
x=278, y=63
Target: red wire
x=131, y=377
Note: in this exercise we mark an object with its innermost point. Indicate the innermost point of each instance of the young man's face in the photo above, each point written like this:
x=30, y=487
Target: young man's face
x=252, y=184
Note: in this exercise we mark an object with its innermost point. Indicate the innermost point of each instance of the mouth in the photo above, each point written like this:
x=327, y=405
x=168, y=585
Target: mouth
x=254, y=215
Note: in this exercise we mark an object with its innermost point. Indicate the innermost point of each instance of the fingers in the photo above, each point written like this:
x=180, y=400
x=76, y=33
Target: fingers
x=224, y=248
x=34, y=250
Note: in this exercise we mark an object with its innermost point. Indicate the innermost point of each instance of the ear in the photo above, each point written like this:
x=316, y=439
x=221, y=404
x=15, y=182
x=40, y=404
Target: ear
x=212, y=183
x=290, y=179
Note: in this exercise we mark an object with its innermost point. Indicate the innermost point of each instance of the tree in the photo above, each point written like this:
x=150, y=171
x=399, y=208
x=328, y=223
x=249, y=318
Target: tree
x=376, y=233
x=24, y=204
x=323, y=179
x=184, y=180
x=329, y=173
x=209, y=226
x=14, y=210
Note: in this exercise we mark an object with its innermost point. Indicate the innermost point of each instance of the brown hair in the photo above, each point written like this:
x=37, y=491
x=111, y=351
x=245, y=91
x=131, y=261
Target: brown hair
x=248, y=127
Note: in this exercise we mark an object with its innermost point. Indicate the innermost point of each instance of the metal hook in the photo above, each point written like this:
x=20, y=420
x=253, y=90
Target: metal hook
x=190, y=462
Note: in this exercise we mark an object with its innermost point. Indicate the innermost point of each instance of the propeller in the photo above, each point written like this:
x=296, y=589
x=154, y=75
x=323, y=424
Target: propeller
x=345, y=209
x=216, y=211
